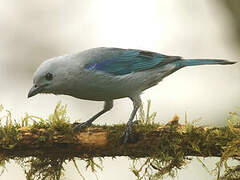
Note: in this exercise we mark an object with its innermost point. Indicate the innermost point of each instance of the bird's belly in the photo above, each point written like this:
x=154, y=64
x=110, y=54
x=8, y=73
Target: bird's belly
x=102, y=87
x=102, y=93
x=99, y=86
x=99, y=95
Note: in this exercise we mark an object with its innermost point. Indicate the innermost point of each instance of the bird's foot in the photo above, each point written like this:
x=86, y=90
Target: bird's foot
x=128, y=137
x=80, y=126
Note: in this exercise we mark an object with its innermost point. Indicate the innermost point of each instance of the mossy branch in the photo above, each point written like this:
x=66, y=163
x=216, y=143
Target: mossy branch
x=49, y=143
x=154, y=140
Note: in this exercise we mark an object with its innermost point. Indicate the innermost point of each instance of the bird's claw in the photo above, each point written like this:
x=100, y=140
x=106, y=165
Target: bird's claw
x=128, y=137
x=80, y=126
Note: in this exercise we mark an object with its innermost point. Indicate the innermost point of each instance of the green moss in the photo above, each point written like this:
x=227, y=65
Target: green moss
x=172, y=157
x=165, y=162
x=173, y=140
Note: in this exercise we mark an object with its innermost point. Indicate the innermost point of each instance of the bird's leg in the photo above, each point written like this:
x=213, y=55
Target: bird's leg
x=78, y=126
x=128, y=136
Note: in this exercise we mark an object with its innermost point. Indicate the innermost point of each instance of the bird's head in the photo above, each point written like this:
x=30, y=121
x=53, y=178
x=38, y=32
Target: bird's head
x=48, y=77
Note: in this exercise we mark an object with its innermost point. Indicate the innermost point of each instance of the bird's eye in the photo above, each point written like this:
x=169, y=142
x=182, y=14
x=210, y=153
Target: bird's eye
x=49, y=76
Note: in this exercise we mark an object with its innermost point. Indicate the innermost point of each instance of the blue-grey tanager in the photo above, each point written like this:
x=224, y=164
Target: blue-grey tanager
x=105, y=74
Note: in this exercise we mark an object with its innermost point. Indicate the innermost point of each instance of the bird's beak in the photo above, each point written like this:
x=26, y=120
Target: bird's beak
x=34, y=90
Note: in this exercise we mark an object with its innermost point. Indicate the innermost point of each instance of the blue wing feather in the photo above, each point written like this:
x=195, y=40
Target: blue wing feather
x=129, y=61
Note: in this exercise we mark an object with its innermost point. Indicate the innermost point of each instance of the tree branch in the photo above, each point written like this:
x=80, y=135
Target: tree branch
x=154, y=140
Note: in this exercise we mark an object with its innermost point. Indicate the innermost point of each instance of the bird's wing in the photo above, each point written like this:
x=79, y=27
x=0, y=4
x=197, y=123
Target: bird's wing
x=130, y=60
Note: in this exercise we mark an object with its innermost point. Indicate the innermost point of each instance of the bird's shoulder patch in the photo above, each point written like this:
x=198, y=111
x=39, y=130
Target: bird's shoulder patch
x=91, y=66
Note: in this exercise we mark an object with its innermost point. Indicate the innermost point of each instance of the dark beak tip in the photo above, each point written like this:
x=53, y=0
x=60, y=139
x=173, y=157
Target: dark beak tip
x=32, y=92
x=29, y=95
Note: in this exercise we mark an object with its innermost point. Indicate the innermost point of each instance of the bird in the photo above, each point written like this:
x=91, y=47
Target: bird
x=106, y=74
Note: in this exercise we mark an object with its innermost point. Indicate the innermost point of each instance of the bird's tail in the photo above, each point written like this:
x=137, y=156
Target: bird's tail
x=196, y=62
